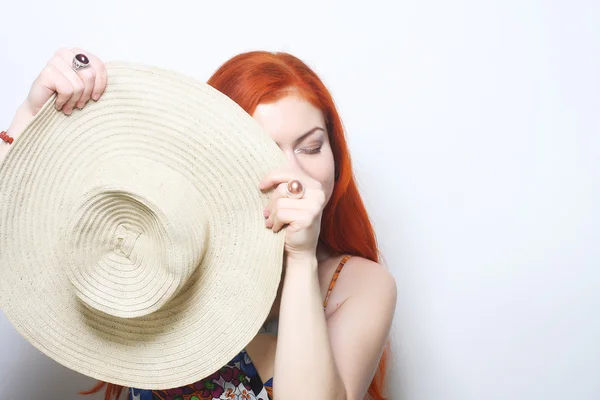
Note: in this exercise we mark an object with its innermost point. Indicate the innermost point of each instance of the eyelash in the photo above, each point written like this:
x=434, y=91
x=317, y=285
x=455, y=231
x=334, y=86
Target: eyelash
x=313, y=150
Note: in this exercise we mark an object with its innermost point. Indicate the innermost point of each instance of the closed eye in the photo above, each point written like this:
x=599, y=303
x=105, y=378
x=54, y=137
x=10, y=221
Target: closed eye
x=310, y=150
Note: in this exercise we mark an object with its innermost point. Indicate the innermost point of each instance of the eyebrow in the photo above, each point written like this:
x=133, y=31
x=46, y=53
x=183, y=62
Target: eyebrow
x=307, y=134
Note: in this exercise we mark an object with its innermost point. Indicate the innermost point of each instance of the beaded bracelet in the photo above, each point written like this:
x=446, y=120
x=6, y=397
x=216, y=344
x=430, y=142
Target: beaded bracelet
x=4, y=136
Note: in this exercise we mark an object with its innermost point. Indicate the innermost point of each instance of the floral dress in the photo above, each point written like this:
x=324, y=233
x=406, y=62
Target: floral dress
x=238, y=380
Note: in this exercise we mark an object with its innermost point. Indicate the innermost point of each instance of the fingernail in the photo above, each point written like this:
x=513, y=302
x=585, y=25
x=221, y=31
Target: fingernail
x=96, y=96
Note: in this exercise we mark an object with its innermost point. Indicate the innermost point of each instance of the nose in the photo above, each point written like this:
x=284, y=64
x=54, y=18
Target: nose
x=292, y=160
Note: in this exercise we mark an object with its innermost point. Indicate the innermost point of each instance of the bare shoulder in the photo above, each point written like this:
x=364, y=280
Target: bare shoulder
x=359, y=278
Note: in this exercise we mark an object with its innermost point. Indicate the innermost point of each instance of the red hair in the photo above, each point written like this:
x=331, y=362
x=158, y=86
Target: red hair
x=258, y=77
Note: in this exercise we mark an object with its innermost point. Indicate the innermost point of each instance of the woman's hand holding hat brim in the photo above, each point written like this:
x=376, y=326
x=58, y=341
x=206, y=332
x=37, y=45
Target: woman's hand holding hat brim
x=297, y=203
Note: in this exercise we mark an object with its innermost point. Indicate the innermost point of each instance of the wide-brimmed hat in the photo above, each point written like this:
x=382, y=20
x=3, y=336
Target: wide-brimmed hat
x=133, y=246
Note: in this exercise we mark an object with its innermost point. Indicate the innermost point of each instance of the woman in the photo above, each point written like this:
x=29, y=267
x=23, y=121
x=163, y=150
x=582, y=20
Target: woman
x=330, y=344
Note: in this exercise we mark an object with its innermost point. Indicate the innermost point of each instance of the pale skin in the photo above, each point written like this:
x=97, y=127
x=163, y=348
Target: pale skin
x=333, y=353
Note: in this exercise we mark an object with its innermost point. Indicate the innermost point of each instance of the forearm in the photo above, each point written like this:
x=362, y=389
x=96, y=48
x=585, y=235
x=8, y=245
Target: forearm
x=19, y=122
x=304, y=357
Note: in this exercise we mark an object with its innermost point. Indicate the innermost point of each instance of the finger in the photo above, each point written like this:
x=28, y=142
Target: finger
x=101, y=75
x=88, y=76
x=285, y=175
x=277, y=194
x=287, y=217
x=278, y=222
x=80, y=79
x=283, y=203
x=53, y=79
x=76, y=82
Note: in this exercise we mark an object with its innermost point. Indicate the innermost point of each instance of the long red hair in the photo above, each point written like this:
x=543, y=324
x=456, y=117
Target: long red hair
x=258, y=77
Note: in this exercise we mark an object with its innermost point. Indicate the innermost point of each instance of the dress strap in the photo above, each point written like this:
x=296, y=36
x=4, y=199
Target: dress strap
x=335, y=277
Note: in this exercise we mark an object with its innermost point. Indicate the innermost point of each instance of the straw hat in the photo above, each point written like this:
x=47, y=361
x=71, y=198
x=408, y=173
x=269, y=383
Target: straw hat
x=132, y=243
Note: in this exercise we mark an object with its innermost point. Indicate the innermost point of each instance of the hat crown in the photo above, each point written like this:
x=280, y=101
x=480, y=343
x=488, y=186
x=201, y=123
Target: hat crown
x=125, y=240
x=131, y=241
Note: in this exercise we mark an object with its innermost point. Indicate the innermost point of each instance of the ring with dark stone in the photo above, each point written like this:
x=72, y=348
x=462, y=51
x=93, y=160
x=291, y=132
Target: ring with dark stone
x=80, y=61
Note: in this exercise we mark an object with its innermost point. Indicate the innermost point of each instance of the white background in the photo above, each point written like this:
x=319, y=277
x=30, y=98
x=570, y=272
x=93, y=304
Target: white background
x=474, y=128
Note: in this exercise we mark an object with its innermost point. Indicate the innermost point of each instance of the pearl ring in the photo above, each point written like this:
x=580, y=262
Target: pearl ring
x=295, y=189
